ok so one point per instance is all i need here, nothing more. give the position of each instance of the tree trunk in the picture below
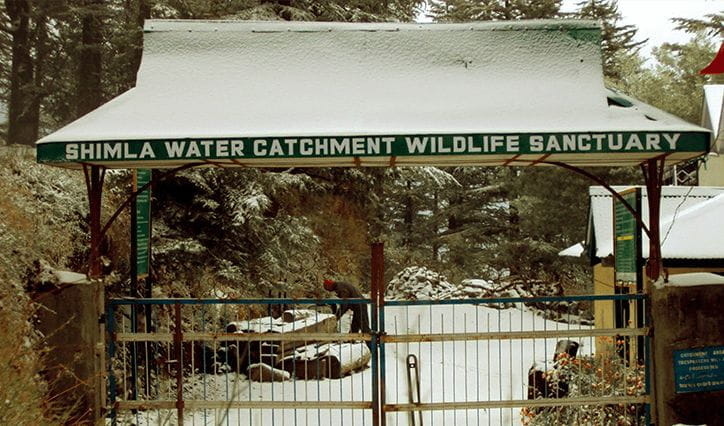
(409, 216)
(138, 12)
(23, 108)
(436, 232)
(89, 70)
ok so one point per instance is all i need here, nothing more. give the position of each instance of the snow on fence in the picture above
(433, 362)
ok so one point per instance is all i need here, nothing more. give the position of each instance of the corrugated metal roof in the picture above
(691, 225)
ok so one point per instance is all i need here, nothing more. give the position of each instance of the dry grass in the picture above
(22, 391)
(41, 214)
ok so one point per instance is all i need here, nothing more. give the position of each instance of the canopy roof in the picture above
(337, 94)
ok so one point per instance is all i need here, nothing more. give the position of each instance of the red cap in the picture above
(329, 284)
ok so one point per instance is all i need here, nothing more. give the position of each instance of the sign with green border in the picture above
(143, 222)
(254, 148)
(627, 238)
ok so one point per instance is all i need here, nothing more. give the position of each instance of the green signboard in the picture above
(371, 146)
(627, 238)
(143, 222)
(699, 370)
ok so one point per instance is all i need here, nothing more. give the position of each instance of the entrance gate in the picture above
(445, 362)
(490, 106)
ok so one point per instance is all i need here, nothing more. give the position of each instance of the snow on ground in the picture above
(449, 371)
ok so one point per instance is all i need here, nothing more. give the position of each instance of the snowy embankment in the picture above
(449, 371)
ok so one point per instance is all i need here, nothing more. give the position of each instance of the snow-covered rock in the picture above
(331, 360)
(261, 372)
(420, 283)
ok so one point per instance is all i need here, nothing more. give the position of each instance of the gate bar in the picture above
(221, 405)
(537, 299)
(514, 335)
(206, 301)
(245, 337)
(541, 402)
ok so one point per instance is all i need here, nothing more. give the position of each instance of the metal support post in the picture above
(178, 346)
(653, 171)
(94, 176)
(378, 298)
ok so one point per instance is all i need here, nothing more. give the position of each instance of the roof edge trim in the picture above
(165, 25)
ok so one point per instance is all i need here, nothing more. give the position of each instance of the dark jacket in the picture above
(346, 291)
(360, 320)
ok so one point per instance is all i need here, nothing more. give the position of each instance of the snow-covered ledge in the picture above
(693, 279)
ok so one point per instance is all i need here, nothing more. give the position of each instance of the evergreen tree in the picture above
(617, 41)
(493, 10)
(26, 24)
(711, 25)
(413, 199)
(673, 83)
(477, 213)
(66, 57)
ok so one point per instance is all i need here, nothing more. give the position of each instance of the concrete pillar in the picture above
(69, 318)
(686, 314)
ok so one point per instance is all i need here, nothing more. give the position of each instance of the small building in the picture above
(691, 241)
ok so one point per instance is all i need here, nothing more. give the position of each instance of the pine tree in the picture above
(477, 213)
(413, 200)
(673, 83)
(617, 41)
(493, 10)
(25, 26)
(711, 25)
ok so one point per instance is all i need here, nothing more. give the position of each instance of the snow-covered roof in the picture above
(690, 222)
(694, 279)
(711, 118)
(337, 94)
(576, 250)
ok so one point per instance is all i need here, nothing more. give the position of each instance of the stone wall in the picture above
(686, 317)
(69, 319)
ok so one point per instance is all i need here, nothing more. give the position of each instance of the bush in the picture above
(593, 376)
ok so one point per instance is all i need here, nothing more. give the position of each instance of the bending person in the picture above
(344, 290)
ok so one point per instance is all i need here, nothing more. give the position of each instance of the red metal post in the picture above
(378, 297)
(653, 173)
